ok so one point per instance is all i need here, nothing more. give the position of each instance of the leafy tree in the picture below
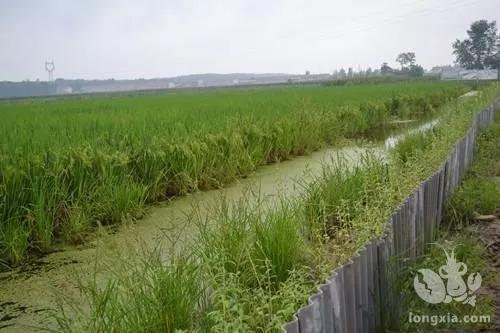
(406, 59)
(494, 62)
(482, 49)
(385, 69)
(350, 73)
(416, 70)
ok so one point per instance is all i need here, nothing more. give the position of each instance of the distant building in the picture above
(310, 78)
(437, 70)
(469, 74)
(64, 90)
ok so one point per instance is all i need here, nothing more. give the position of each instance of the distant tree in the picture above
(482, 49)
(416, 70)
(350, 73)
(342, 74)
(369, 71)
(494, 62)
(385, 69)
(406, 59)
(463, 53)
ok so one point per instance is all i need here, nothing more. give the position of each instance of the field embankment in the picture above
(69, 165)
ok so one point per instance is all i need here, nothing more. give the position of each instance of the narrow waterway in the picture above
(28, 294)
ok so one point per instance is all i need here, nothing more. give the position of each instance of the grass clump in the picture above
(145, 294)
(408, 149)
(249, 243)
(261, 268)
(278, 246)
(342, 191)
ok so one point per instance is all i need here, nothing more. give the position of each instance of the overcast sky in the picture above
(154, 38)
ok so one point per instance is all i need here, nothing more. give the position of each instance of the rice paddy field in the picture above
(67, 165)
(70, 165)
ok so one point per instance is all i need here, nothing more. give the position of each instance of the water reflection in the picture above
(393, 140)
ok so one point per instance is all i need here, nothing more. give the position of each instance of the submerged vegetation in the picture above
(67, 165)
(257, 267)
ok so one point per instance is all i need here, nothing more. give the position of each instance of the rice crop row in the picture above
(67, 165)
(256, 268)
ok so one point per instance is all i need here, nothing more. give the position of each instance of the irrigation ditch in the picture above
(361, 296)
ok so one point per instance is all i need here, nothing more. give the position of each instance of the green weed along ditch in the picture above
(258, 268)
(480, 190)
(479, 193)
(67, 165)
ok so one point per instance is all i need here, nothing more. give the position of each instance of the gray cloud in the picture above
(153, 38)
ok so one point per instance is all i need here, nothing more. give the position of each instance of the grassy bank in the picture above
(68, 165)
(480, 191)
(479, 194)
(255, 267)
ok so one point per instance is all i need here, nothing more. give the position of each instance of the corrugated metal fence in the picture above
(358, 296)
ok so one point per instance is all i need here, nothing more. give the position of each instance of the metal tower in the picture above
(50, 67)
